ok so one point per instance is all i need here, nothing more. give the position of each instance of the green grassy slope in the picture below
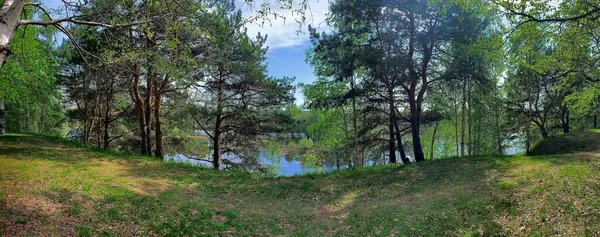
(586, 141)
(50, 188)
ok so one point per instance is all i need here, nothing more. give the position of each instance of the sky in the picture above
(287, 46)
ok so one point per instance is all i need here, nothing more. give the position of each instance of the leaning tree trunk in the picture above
(403, 157)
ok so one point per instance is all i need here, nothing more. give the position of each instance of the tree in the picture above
(236, 101)
(400, 45)
(13, 15)
(334, 56)
(331, 128)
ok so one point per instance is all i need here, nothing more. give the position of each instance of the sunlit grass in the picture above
(50, 186)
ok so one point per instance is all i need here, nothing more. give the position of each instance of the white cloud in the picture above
(283, 31)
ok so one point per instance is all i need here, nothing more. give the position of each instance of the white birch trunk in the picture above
(9, 21)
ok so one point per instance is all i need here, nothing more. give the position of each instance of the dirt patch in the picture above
(37, 217)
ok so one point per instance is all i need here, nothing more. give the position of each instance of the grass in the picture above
(53, 187)
(569, 143)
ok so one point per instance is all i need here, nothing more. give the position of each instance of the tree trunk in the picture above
(433, 140)
(10, 14)
(150, 84)
(218, 123)
(463, 117)
(595, 120)
(148, 113)
(527, 141)
(470, 146)
(498, 134)
(415, 125)
(403, 157)
(94, 119)
(355, 123)
(139, 102)
(565, 120)
(107, 113)
(99, 127)
(543, 131)
(217, 147)
(456, 123)
(85, 121)
(392, 148)
(158, 94)
(416, 136)
(2, 118)
(346, 136)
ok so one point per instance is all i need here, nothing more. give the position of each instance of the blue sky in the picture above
(289, 61)
(287, 46)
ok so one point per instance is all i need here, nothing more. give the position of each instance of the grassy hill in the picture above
(49, 187)
(585, 141)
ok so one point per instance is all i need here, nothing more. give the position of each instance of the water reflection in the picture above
(300, 162)
(286, 165)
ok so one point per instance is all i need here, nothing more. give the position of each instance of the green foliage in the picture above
(305, 143)
(272, 153)
(27, 83)
(185, 142)
(311, 162)
(584, 102)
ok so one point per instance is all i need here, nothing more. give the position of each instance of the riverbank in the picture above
(50, 187)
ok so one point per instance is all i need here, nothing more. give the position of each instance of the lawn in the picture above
(53, 187)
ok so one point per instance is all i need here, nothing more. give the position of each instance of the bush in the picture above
(305, 143)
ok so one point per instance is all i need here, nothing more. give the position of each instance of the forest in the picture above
(398, 85)
(399, 81)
